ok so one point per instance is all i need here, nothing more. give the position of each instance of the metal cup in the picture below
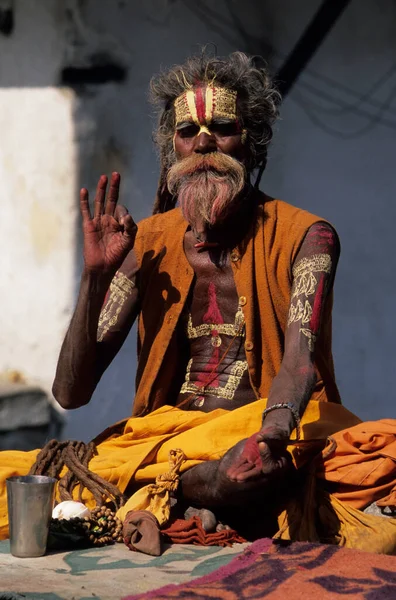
(30, 501)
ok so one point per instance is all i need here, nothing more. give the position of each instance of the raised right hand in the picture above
(107, 237)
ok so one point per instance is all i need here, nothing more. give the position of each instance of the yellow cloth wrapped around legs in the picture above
(141, 451)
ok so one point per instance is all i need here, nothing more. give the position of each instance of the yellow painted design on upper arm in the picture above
(304, 285)
(120, 288)
(303, 273)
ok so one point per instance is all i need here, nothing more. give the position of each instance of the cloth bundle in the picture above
(142, 533)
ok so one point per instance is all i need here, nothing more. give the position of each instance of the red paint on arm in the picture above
(314, 323)
(321, 237)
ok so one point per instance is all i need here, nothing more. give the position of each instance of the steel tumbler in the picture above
(30, 500)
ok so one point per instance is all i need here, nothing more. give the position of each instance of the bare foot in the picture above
(247, 463)
(263, 454)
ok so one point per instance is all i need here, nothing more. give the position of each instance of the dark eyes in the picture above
(218, 129)
(224, 129)
(188, 131)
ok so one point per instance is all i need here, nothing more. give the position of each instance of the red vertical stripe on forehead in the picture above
(200, 104)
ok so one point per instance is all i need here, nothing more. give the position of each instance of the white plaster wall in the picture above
(37, 195)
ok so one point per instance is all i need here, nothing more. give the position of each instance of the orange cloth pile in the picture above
(357, 468)
(359, 464)
(192, 532)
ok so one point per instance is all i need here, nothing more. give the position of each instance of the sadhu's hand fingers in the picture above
(271, 462)
(100, 196)
(112, 197)
(265, 451)
(129, 224)
(120, 211)
(84, 205)
(277, 439)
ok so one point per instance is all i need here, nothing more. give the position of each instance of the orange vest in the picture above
(263, 277)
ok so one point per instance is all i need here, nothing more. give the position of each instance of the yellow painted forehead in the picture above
(202, 104)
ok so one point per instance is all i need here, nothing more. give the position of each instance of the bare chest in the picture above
(214, 293)
(217, 373)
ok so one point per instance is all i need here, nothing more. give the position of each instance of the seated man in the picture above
(232, 289)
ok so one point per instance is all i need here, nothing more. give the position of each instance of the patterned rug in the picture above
(105, 573)
(294, 571)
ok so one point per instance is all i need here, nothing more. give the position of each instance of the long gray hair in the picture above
(257, 107)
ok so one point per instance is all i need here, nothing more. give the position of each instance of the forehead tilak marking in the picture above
(200, 104)
(190, 106)
(219, 102)
(182, 109)
(209, 103)
(224, 103)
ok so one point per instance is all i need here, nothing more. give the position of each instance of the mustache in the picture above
(215, 163)
(207, 186)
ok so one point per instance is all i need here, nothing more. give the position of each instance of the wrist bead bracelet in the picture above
(293, 410)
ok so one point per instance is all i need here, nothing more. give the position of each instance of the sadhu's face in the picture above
(206, 121)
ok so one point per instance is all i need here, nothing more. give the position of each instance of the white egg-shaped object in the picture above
(69, 509)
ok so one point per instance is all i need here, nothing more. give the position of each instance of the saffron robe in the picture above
(262, 269)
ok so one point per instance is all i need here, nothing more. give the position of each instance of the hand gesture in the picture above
(110, 234)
